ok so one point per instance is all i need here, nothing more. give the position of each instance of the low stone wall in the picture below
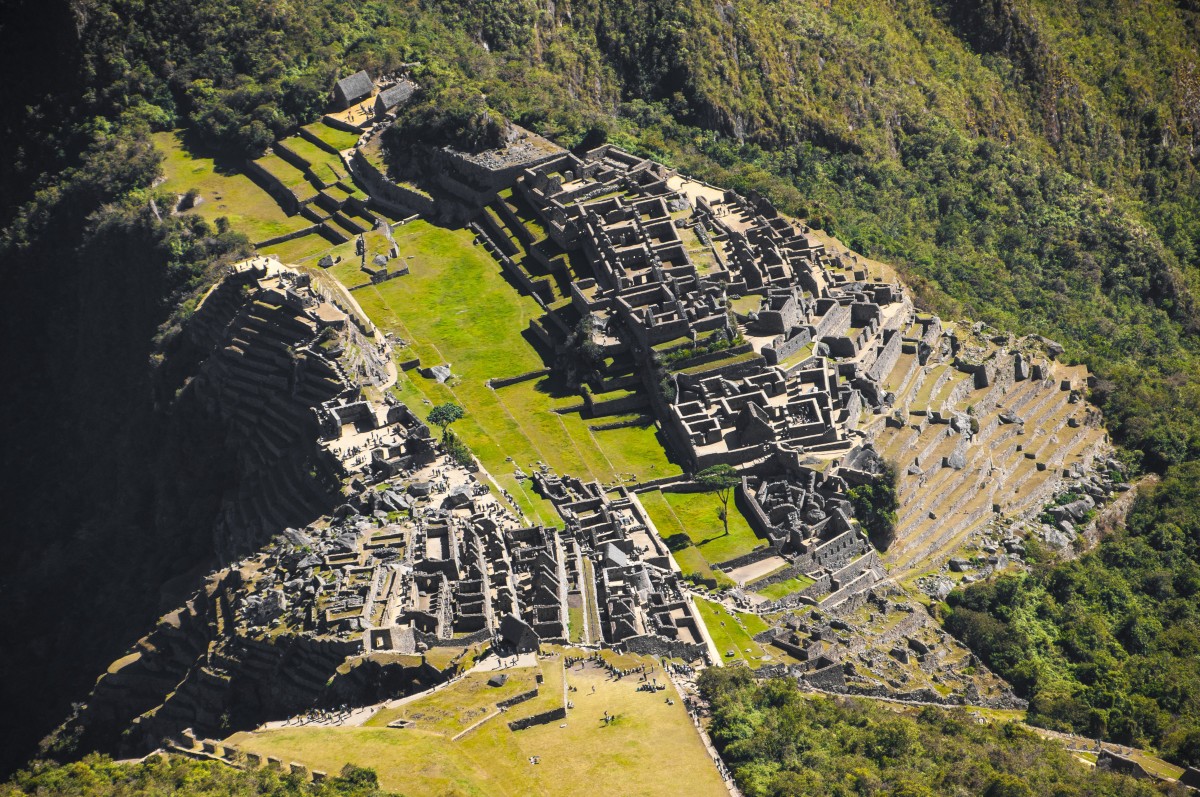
(494, 231)
(619, 406)
(513, 380)
(333, 121)
(642, 420)
(650, 645)
(776, 578)
(730, 371)
(515, 699)
(545, 717)
(291, 236)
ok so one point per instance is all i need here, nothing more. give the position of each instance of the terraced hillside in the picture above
(572, 324)
(985, 426)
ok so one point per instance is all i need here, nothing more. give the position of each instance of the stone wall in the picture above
(651, 645)
(286, 237)
(781, 348)
(387, 193)
(515, 699)
(619, 406)
(545, 717)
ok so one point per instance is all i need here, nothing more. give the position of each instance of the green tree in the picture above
(445, 414)
(720, 479)
(875, 506)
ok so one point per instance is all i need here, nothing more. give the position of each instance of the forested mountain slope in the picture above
(1027, 162)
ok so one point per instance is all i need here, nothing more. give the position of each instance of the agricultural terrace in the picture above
(223, 191)
(781, 589)
(651, 749)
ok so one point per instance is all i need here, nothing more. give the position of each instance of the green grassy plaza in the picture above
(689, 524)
(651, 749)
(784, 588)
(732, 632)
(456, 307)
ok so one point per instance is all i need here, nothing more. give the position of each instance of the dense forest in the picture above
(98, 776)
(1026, 162)
(1106, 645)
(780, 742)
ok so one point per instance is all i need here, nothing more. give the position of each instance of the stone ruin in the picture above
(754, 345)
(811, 527)
(754, 399)
(634, 592)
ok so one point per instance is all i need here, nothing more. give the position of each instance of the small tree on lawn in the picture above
(720, 479)
(445, 414)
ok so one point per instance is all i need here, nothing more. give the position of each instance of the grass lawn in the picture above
(455, 306)
(224, 191)
(782, 589)
(1156, 765)
(575, 616)
(309, 249)
(457, 708)
(652, 748)
(694, 515)
(746, 304)
(327, 166)
(732, 632)
(292, 178)
(338, 139)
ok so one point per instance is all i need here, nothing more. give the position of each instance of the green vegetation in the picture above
(99, 776)
(711, 344)
(688, 520)
(456, 307)
(445, 414)
(454, 116)
(338, 139)
(326, 166)
(292, 178)
(1107, 644)
(782, 589)
(782, 743)
(732, 633)
(458, 450)
(875, 506)
(720, 480)
(223, 191)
